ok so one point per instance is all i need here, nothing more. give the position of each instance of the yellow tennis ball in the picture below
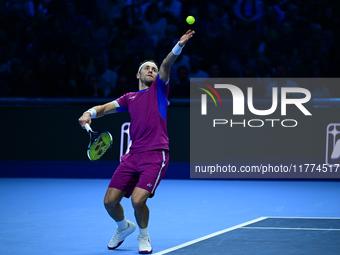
(190, 20)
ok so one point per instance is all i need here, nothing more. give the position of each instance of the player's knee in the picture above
(108, 202)
(138, 203)
(111, 200)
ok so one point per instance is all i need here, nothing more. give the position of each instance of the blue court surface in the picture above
(67, 216)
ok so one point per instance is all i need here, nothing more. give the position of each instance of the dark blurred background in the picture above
(83, 48)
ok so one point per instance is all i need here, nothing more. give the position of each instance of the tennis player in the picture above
(141, 170)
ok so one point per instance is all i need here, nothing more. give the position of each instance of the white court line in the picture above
(321, 218)
(209, 236)
(322, 229)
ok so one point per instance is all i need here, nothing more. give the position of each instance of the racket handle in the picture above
(88, 128)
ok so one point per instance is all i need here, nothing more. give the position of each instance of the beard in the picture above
(148, 80)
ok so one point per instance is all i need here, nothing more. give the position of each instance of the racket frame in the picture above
(93, 136)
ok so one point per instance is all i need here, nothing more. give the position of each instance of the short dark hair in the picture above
(149, 60)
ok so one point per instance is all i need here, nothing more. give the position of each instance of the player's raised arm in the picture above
(164, 69)
(96, 112)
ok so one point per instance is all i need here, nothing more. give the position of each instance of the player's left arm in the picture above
(164, 69)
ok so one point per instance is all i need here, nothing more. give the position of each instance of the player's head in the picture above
(148, 62)
(147, 72)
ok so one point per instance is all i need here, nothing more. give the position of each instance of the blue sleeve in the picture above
(161, 83)
(162, 93)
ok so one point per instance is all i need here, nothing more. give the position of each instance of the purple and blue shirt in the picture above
(148, 111)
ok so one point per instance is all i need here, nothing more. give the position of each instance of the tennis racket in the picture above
(99, 143)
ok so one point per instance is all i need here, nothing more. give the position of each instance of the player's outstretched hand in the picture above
(186, 37)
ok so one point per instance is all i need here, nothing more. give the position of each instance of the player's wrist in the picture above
(177, 49)
(92, 112)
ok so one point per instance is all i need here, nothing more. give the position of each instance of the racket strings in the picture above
(100, 146)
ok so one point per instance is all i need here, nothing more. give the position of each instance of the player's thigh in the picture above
(125, 177)
(113, 196)
(152, 168)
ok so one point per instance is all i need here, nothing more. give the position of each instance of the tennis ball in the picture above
(190, 20)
